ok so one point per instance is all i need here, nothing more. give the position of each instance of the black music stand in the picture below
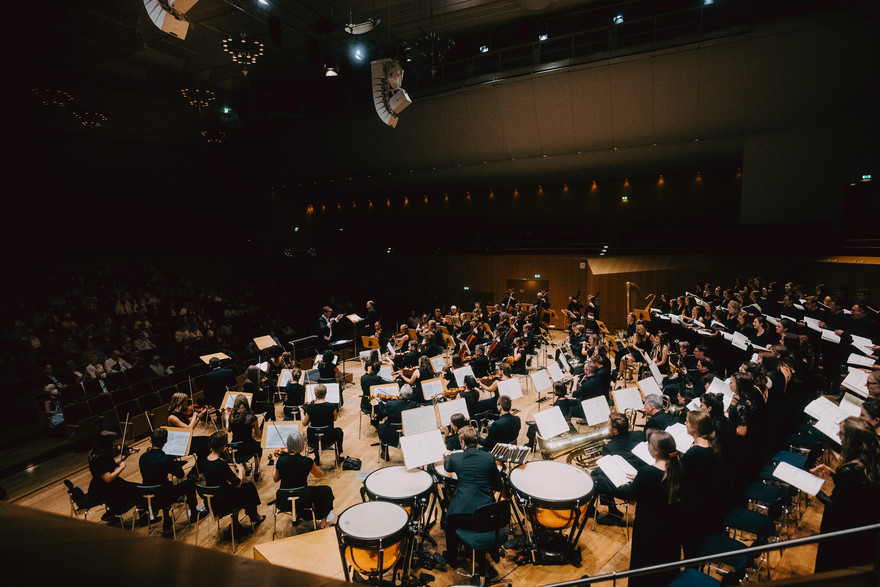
(293, 343)
(338, 347)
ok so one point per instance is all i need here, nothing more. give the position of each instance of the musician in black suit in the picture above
(658, 419)
(480, 362)
(590, 384)
(429, 347)
(370, 318)
(217, 381)
(478, 479)
(325, 327)
(505, 429)
(390, 414)
(156, 466)
(367, 381)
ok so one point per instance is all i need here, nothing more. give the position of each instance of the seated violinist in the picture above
(456, 423)
(518, 366)
(480, 362)
(106, 465)
(234, 493)
(390, 415)
(156, 468)
(401, 339)
(182, 414)
(293, 470)
(320, 414)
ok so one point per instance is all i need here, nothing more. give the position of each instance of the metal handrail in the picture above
(721, 555)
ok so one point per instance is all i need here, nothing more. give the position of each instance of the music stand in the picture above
(293, 343)
(339, 346)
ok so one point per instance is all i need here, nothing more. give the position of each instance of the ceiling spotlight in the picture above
(264, 2)
(330, 71)
(361, 27)
(226, 110)
(618, 19)
(708, 2)
(543, 37)
(484, 48)
(359, 54)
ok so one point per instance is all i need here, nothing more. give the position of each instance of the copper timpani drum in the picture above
(372, 537)
(554, 497)
(399, 485)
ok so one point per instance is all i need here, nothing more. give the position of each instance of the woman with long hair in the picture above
(244, 425)
(855, 500)
(656, 528)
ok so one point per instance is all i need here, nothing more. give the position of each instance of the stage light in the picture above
(708, 2)
(618, 19)
(330, 71)
(359, 54)
(543, 37)
(484, 48)
(227, 110)
(264, 2)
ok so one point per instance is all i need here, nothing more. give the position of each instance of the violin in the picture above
(489, 379)
(452, 392)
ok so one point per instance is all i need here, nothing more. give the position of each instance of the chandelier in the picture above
(57, 98)
(214, 136)
(92, 119)
(243, 51)
(197, 97)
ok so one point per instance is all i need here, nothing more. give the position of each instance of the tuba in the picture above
(583, 448)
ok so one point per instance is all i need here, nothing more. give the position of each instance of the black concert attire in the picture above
(656, 528)
(217, 382)
(321, 416)
(519, 365)
(660, 421)
(430, 350)
(853, 502)
(480, 366)
(242, 431)
(504, 430)
(390, 413)
(119, 495)
(327, 371)
(478, 478)
(370, 318)
(294, 394)
(696, 507)
(766, 338)
(367, 381)
(621, 445)
(325, 332)
(575, 307)
(156, 467)
(293, 471)
(452, 441)
(792, 312)
(231, 496)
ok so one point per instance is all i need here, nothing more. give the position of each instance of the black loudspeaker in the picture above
(275, 29)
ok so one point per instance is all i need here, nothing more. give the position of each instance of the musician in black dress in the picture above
(321, 414)
(698, 493)
(106, 486)
(623, 441)
(390, 415)
(478, 479)
(233, 492)
(156, 467)
(656, 528)
(518, 366)
(855, 500)
(294, 393)
(480, 362)
(293, 469)
(244, 425)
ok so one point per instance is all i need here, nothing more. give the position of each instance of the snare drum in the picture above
(372, 536)
(555, 495)
(399, 485)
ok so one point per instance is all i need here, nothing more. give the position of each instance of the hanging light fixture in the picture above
(57, 98)
(197, 97)
(92, 119)
(243, 50)
(214, 136)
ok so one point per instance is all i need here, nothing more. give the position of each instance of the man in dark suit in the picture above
(590, 384)
(480, 362)
(478, 479)
(368, 380)
(370, 318)
(657, 418)
(390, 414)
(217, 381)
(505, 429)
(155, 467)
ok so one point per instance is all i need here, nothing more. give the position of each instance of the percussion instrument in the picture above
(399, 485)
(554, 497)
(372, 537)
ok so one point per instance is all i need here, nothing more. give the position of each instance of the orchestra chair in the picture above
(490, 529)
(371, 414)
(620, 503)
(774, 501)
(732, 569)
(321, 444)
(81, 503)
(208, 493)
(149, 494)
(291, 413)
(745, 521)
(383, 447)
(285, 503)
(239, 455)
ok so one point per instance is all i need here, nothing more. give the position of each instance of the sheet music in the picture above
(354, 318)
(446, 409)
(332, 392)
(675, 319)
(461, 373)
(510, 387)
(717, 324)
(806, 482)
(178, 443)
(655, 371)
(648, 386)
(727, 336)
(431, 388)
(596, 410)
(683, 440)
(771, 320)
(386, 373)
(265, 342)
(230, 399)
(857, 382)
(641, 451)
(851, 404)
(812, 324)
(564, 362)
(438, 363)
(695, 405)
(551, 422)
(799, 306)
(541, 379)
(722, 387)
(555, 372)
(830, 336)
(418, 420)
(861, 341)
(422, 449)
(822, 408)
(856, 359)
(740, 341)
(616, 468)
(277, 434)
(390, 348)
(365, 354)
(789, 318)
(284, 377)
(629, 398)
(391, 389)
(264, 366)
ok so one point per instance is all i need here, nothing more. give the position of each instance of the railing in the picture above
(691, 562)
